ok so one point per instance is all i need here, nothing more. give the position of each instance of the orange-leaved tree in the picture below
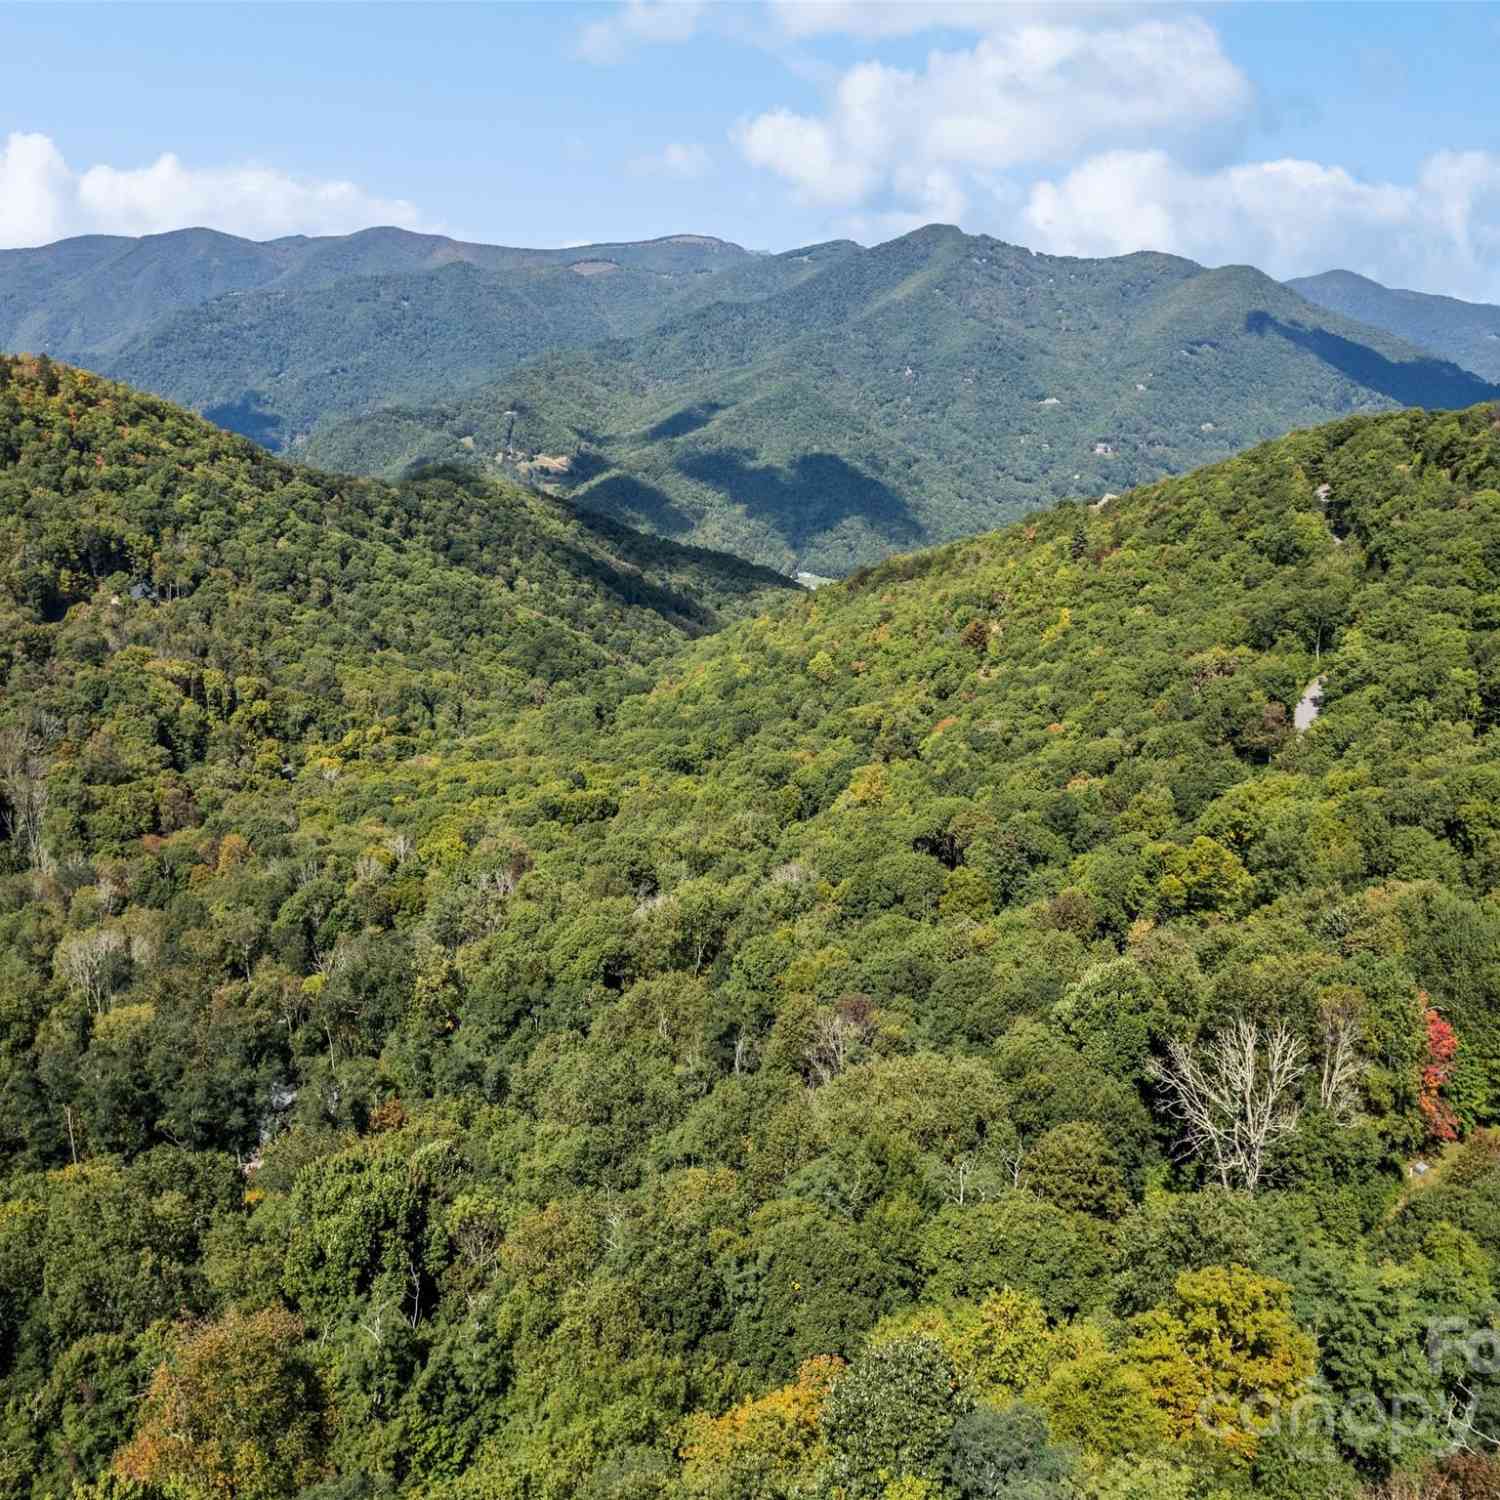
(236, 1412)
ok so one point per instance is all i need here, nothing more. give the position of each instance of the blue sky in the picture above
(1295, 137)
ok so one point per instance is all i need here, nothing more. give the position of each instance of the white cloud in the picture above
(887, 18)
(1463, 190)
(644, 22)
(1118, 114)
(808, 153)
(637, 22)
(1289, 217)
(35, 189)
(43, 199)
(678, 159)
(1036, 93)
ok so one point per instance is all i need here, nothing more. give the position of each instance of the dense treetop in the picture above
(754, 1065)
(193, 550)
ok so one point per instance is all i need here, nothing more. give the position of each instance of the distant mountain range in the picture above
(1468, 333)
(842, 403)
(97, 293)
(812, 410)
(266, 338)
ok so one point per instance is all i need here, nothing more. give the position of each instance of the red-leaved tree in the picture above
(1442, 1048)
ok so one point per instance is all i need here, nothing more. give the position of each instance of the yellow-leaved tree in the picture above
(1223, 1356)
(770, 1448)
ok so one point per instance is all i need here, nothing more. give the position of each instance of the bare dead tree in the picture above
(971, 1178)
(24, 763)
(1012, 1162)
(838, 1033)
(414, 1281)
(744, 1053)
(1235, 1096)
(143, 938)
(959, 1179)
(113, 892)
(828, 1051)
(981, 1175)
(374, 1326)
(477, 1237)
(335, 960)
(1338, 1082)
(91, 963)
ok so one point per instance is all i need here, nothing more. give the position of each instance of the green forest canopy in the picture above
(465, 1040)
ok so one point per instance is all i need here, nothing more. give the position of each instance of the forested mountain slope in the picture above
(1468, 333)
(918, 391)
(273, 363)
(172, 554)
(90, 297)
(759, 1084)
(814, 410)
(269, 338)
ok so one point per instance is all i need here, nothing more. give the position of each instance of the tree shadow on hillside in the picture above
(1417, 382)
(251, 418)
(638, 568)
(588, 464)
(637, 503)
(644, 550)
(680, 610)
(810, 498)
(689, 419)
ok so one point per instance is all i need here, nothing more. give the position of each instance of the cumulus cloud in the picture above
(1036, 93)
(636, 22)
(1289, 217)
(42, 198)
(35, 191)
(1093, 131)
(810, 153)
(687, 160)
(888, 18)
